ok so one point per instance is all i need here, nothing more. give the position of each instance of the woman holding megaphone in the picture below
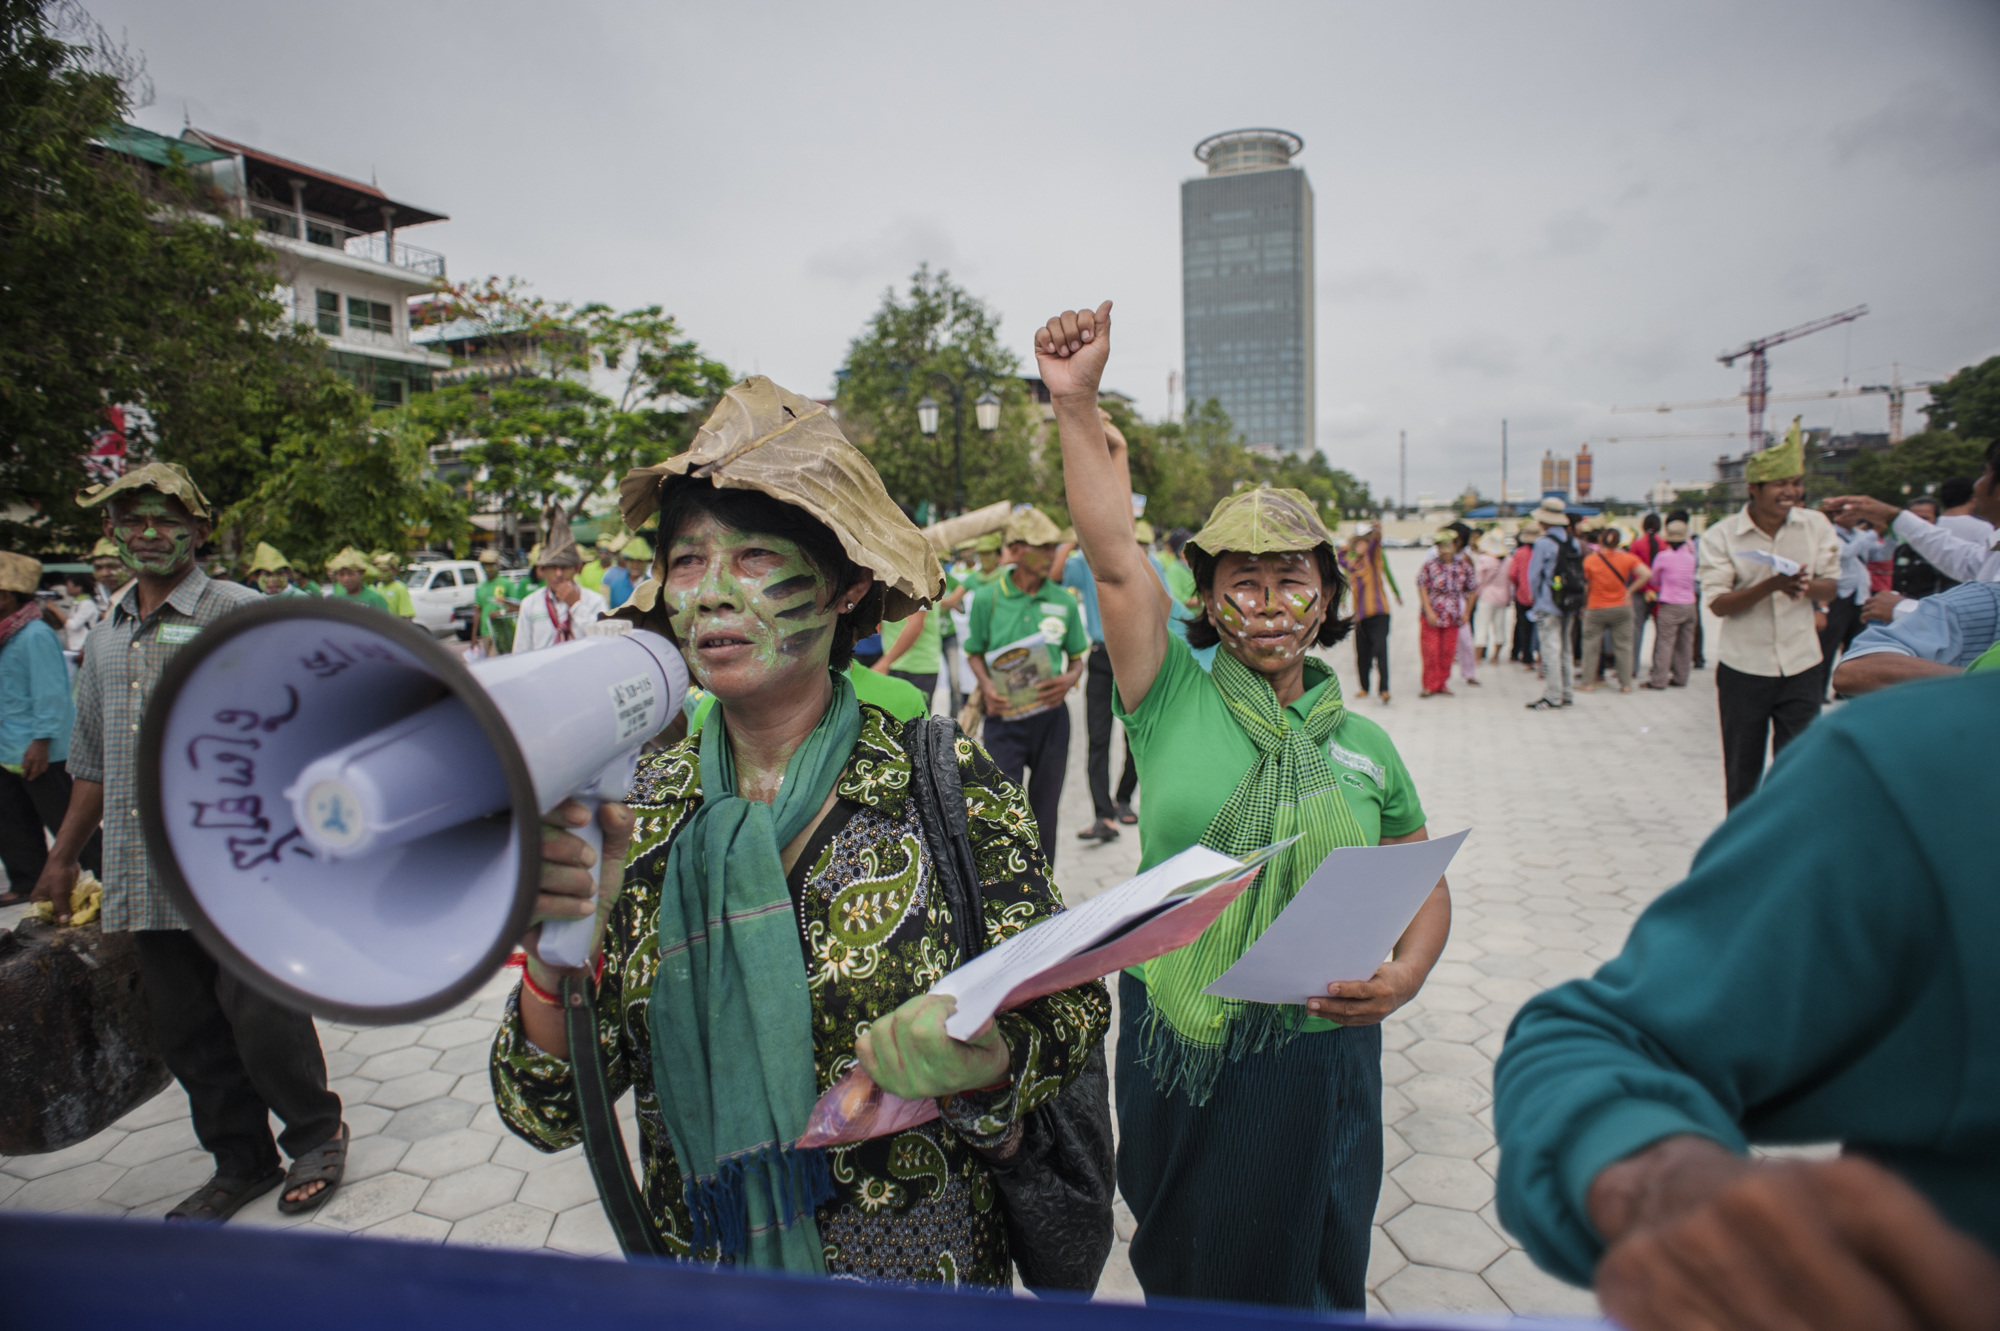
(776, 912)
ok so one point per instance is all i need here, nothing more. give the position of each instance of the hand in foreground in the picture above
(1871, 510)
(1881, 607)
(1367, 1002)
(1071, 349)
(908, 1053)
(35, 759)
(996, 702)
(1723, 1242)
(1791, 584)
(570, 877)
(58, 880)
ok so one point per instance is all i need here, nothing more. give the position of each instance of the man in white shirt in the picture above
(1958, 497)
(564, 607)
(1768, 679)
(1949, 553)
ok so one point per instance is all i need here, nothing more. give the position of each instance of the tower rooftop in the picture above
(1239, 150)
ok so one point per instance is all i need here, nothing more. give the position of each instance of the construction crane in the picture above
(1759, 390)
(1895, 389)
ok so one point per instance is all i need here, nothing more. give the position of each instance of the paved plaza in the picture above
(1579, 818)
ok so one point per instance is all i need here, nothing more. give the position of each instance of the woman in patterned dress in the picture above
(766, 597)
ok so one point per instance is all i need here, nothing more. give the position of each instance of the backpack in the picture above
(1569, 586)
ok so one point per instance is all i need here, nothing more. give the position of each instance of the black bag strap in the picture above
(932, 743)
(603, 1143)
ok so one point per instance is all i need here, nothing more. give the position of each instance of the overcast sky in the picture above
(1524, 210)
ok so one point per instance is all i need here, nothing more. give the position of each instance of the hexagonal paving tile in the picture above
(452, 1034)
(172, 1177)
(397, 1063)
(371, 1201)
(1443, 1180)
(583, 1231)
(428, 1119)
(413, 1089)
(381, 1039)
(1417, 1289)
(447, 1153)
(560, 1187)
(470, 1191)
(409, 1227)
(1445, 1134)
(512, 1225)
(155, 1143)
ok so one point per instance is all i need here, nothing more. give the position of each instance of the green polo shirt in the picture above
(892, 695)
(1002, 614)
(367, 595)
(396, 597)
(926, 654)
(1192, 753)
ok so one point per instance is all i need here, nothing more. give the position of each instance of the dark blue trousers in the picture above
(1039, 745)
(1266, 1193)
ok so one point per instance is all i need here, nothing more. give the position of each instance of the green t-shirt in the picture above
(397, 598)
(926, 654)
(1003, 614)
(482, 596)
(892, 695)
(367, 595)
(591, 575)
(1192, 753)
(1986, 660)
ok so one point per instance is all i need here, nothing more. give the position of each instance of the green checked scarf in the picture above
(1289, 790)
(730, 1014)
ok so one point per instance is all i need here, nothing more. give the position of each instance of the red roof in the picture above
(328, 195)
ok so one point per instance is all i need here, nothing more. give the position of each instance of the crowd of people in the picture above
(781, 902)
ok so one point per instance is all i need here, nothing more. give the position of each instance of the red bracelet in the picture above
(528, 983)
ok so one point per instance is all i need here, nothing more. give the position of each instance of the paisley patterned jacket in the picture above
(917, 1206)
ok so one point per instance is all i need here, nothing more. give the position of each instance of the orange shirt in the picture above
(1608, 572)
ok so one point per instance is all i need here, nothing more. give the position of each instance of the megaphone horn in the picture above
(348, 816)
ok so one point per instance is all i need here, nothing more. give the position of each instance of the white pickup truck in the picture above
(439, 587)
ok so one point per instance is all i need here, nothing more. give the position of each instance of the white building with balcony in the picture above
(341, 255)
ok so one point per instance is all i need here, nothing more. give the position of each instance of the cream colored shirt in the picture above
(1775, 636)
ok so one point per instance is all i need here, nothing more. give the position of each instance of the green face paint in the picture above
(726, 590)
(151, 519)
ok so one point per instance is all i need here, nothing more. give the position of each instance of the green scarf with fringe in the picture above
(1290, 790)
(731, 1014)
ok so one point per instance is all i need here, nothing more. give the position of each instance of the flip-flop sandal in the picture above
(1126, 816)
(324, 1163)
(219, 1198)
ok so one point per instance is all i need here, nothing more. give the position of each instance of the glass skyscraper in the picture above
(1247, 286)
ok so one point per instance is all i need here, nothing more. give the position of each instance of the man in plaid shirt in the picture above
(240, 1056)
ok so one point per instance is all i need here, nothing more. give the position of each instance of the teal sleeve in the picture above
(1782, 959)
(979, 619)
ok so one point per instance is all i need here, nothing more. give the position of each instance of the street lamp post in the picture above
(985, 412)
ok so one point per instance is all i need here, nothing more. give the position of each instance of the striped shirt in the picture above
(1952, 628)
(1367, 574)
(120, 671)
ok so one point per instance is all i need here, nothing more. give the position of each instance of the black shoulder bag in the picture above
(1057, 1187)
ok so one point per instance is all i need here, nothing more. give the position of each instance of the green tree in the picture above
(1917, 465)
(1185, 468)
(122, 290)
(563, 400)
(387, 498)
(1968, 403)
(909, 348)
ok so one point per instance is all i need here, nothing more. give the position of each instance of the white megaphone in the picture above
(350, 817)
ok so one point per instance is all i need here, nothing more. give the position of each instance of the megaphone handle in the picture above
(567, 942)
